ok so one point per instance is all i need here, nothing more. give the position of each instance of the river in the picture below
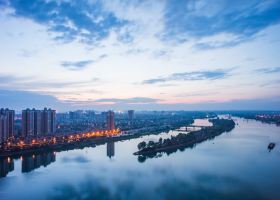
(234, 165)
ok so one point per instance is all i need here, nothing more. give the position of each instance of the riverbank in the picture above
(84, 142)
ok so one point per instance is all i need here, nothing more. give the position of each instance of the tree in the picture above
(141, 145)
(151, 143)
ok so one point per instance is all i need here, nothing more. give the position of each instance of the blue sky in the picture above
(156, 54)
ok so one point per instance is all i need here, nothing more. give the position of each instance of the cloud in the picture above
(6, 79)
(93, 21)
(78, 65)
(190, 76)
(133, 34)
(134, 100)
(269, 103)
(76, 159)
(27, 53)
(25, 83)
(193, 18)
(274, 83)
(21, 99)
(69, 20)
(155, 80)
(197, 94)
(221, 40)
(269, 70)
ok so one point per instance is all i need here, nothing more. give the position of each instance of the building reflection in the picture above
(110, 149)
(6, 166)
(32, 162)
(29, 163)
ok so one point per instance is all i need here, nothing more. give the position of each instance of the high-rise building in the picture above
(3, 128)
(6, 124)
(110, 120)
(38, 118)
(38, 122)
(48, 120)
(28, 122)
(130, 114)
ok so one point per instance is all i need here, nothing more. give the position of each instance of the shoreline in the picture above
(187, 140)
(82, 143)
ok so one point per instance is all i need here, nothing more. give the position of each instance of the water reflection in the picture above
(6, 166)
(236, 165)
(201, 186)
(46, 157)
(35, 161)
(28, 163)
(32, 162)
(110, 149)
(143, 158)
(206, 186)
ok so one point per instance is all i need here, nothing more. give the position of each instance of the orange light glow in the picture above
(61, 139)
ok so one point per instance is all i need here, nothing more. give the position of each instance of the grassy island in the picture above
(182, 141)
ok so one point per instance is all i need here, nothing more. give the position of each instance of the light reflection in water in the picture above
(232, 166)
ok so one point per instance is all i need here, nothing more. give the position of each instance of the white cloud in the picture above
(126, 63)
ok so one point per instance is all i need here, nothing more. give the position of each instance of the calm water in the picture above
(235, 165)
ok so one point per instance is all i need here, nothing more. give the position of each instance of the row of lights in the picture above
(70, 138)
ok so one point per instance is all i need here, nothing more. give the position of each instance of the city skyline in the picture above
(140, 55)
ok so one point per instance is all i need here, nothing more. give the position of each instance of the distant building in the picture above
(130, 114)
(104, 115)
(61, 117)
(90, 114)
(38, 122)
(7, 118)
(110, 120)
(76, 115)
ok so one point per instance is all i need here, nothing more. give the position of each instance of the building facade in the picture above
(7, 118)
(38, 122)
(130, 114)
(110, 120)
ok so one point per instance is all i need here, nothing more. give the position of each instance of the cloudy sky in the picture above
(140, 54)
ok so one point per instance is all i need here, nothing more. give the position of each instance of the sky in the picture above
(140, 54)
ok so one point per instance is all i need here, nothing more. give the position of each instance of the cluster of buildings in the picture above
(34, 123)
(38, 122)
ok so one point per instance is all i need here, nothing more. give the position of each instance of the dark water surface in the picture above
(235, 165)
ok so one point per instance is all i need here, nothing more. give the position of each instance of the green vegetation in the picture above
(182, 141)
